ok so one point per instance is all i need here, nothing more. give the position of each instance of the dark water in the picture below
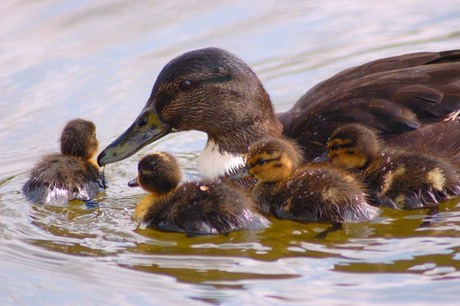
(98, 60)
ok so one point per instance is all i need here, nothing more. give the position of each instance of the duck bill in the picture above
(322, 158)
(241, 174)
(147, 128)
(133, 183)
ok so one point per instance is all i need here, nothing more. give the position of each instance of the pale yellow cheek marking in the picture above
(268, 172)
(341, 158)
(143, 207)
(257, 173)
(94, 163)
(436, 178)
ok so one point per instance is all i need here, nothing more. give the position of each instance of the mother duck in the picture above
(412, 100)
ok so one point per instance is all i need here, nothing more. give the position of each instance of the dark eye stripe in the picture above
(340, 146)
(265, 161)
(188, 84)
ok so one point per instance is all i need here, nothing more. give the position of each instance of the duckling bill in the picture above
(72, 174)
(305, 193)
(197, 207)
(395, 178)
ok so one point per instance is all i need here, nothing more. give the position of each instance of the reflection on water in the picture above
(98, 61)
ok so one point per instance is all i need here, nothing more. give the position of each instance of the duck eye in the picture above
(185, 85)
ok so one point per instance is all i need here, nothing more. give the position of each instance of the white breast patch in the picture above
(213, 163)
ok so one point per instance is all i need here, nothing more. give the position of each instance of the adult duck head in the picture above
(411, 96)
(209, 90)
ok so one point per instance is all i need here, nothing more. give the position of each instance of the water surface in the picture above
(98, 61)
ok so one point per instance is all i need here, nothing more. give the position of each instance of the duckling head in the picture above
(79, 139)
(209, 90)
(353, 146)
(158, 173)
(274, 159)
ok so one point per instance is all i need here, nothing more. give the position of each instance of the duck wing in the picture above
(394, 95)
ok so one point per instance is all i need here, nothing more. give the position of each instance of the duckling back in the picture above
(319, 194)
(58, 178)
(205, 207)
(408, 180)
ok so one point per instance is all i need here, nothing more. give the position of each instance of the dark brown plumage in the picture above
(213, 91)
(306, 193)
(394, 177)
(58, 178)
(195, 207)
(394, 95)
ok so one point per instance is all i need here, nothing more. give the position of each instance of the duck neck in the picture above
(215, 162)
(242, 125)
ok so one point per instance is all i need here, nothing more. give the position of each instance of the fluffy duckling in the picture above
(73, 174)
(195, 207)
(308, 193)
(394, 178)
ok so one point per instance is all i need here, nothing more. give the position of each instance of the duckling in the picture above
(213, 91)
(395, 178)
(194, 207)
(72, 174)
(306, 193)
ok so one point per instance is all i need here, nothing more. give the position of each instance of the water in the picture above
(98, 61)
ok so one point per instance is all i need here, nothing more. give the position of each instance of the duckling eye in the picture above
(261, 161)
(333, 147)
(185, 85)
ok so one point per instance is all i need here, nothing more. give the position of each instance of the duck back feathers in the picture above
(392, 95)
